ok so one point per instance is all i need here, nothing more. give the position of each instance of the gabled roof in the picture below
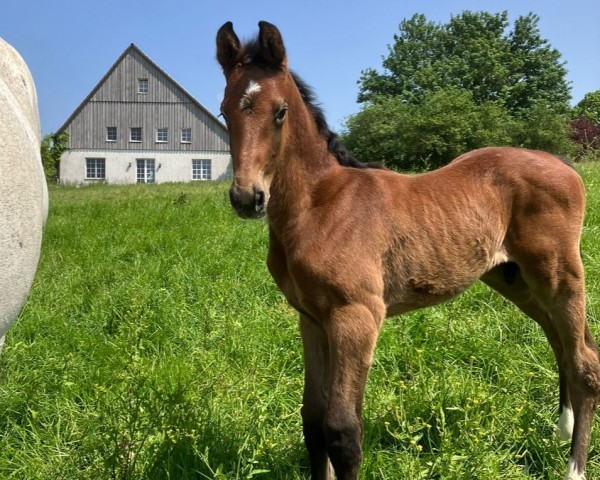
(128, 50)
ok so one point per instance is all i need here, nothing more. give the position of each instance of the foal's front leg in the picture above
(316, 393)
(352, 334)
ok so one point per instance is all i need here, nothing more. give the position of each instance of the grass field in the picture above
(154, 345)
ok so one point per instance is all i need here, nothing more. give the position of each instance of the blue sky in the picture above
(70, 44)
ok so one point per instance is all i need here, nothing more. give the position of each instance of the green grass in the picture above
(154, 345)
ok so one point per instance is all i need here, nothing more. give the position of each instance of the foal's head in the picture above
(259, 92)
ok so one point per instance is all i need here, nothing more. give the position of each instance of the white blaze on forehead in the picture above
(253, 87)
(252, 90)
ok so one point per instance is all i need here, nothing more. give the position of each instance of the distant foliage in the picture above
(543, 129)
(586, 135)
(585, 127)
(448, 123)
(417, 137)
(474, 51)
(589, 107)
(52, 148)
(449, 88)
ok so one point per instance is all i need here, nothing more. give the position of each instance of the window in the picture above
(143, 85)
(136, 134)
(111, 134)
(201, 170)
(145, 170)
(186, 135)
(95, 168)
(162, 135)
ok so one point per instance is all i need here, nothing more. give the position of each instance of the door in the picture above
(145, 170)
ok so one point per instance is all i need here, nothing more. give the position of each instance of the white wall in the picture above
(121, 165)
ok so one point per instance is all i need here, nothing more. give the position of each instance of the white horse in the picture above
(23, 190)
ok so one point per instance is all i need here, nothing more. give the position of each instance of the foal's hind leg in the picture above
(557, 282)
(506, 279)
(557, 301)
(583, 373)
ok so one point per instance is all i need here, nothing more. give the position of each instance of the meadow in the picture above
(154, 345)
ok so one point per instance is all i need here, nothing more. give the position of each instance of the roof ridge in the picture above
(135, 48)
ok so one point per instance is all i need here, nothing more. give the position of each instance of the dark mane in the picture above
(334, 144)
(252, 55)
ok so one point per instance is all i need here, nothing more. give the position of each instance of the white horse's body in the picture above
(23, 190)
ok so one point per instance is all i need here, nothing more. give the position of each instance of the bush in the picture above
(446, 124)
(543, 129)
(52, 148)
(586, 136)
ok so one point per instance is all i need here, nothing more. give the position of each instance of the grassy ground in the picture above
(154, 345)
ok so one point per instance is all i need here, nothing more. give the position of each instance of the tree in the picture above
(414, 59)
(472, 52)
(449, 88)
(52, 148)
(537, 76)
(589, 107)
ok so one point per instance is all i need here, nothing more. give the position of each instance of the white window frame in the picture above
(186, 135)
(131, 131)
(201, 169)
(95, 168)
(162, 135)
(108, 134)
(143, 86)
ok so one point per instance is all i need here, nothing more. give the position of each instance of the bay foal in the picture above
(350, 245)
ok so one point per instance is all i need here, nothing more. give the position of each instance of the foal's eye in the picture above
(281, 113)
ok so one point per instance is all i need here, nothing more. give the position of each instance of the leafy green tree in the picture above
(449, 88)
(537, 75)
(51, 149)
(476, 55)
(473, 51)
(411, 66)
(588, 107)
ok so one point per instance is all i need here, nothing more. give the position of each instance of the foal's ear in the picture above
(271, 45)
(229, 47)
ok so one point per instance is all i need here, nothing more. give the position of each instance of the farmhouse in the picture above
(140, 126)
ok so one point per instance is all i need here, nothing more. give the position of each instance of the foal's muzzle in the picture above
(248, 203)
